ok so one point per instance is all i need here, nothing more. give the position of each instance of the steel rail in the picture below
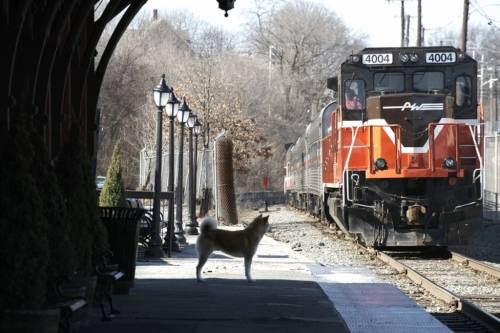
(465, 308)
(474, 312)
(476, 264)
(439, 292)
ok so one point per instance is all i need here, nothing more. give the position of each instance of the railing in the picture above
(397, 145)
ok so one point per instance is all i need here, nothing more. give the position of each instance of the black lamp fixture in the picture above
(183, 112)
(173, 102)
(161, 93)
(197, 127)
(226, 5)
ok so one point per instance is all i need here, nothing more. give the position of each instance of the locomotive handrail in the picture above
(472, 130)
(354, 134)
(397, 143)
(478, 157)
(430, 154)
(431, 129)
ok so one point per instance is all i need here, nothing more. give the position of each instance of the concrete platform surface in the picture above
(291, 294)
(167, 298)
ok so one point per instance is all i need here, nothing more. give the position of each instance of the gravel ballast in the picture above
(328, 246)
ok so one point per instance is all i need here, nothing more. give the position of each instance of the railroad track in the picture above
(469, 317)
(467, 284)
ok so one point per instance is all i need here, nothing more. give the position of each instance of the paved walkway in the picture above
(167, 298)
(292, 294)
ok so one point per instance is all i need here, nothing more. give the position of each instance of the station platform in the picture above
(291, 294)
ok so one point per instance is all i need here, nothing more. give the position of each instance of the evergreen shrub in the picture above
(113, 191)
(61, 262)
(24, 248)
(71, 177)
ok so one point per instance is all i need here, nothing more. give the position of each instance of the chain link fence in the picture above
(491, 182)
(204, 177)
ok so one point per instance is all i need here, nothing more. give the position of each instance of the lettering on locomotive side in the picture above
(415, 107)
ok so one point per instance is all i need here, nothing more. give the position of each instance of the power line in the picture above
(483, 13)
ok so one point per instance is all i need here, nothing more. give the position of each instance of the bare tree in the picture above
(306, 42)
(260, 98)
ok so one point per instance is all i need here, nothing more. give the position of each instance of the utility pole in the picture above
(402, 23)
(419, 24)
(464, 25)
(492, 97)
(496, 97)
(481, 82)
(407, 37)
(423, 36)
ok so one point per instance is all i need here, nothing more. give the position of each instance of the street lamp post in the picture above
(170, 242)
(161, 94)
(197, 132)
(193, 224)
(182, 117)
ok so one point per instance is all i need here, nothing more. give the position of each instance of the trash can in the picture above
(123, 233)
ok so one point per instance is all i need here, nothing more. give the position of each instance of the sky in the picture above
(378, 20)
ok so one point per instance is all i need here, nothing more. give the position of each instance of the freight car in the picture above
(396, 160)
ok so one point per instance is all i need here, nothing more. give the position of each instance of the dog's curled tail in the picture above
(209, 223)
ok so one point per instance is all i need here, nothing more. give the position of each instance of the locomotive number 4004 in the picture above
(440, 57)
(377, 59)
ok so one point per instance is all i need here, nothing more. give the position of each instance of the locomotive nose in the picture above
(413, 112)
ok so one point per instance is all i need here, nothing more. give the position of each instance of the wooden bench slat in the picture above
(72, 304)
(78, 305)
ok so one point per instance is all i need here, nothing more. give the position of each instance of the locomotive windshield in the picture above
(389, 82)
(428, 81)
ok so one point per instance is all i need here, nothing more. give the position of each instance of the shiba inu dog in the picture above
(241, 243)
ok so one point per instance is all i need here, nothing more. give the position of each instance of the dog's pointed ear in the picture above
(259, 217)
(266, 218)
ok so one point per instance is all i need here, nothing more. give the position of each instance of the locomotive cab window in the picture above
(354, 94)
(326, 121)
(428, 81)
(389, 82)
(463, 91)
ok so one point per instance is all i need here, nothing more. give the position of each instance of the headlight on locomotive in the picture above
(403, 57)
(449, 163)
(354, 58)
(414, 57)
(380, 164)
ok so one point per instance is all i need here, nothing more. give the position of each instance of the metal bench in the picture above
(107, 275)
(71, 301)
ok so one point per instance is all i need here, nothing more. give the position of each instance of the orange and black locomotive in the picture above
(396, 159)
